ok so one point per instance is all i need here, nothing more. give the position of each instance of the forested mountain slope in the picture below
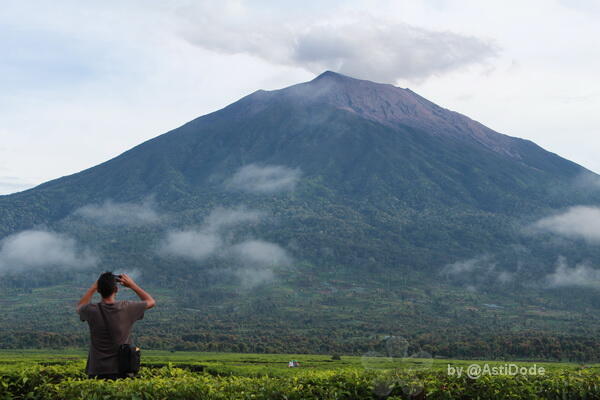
(323, 200)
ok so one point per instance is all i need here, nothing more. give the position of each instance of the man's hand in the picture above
(126, 281)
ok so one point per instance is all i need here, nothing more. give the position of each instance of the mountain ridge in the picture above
(409, 114)
(411, 109)
(166, 164)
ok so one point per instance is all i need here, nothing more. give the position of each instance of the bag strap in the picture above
(106, 324)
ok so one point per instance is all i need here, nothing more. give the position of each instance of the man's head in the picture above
(107, 284)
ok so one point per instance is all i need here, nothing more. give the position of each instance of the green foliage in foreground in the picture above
(22, 380)
(55, 382)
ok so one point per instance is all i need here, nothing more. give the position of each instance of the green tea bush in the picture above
(60, 382)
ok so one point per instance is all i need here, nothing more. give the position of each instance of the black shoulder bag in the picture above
(129, 355)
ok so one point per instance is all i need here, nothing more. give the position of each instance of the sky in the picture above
(82, 82)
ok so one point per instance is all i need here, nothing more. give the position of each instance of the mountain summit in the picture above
(394, 106)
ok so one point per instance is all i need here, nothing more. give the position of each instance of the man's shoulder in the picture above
(86, 307)
(121, 304)
(135, 309)
(85, 311)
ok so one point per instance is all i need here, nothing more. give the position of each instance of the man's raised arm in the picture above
(87, 297)
(143, 295)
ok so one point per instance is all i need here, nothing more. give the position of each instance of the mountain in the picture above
(370, 197)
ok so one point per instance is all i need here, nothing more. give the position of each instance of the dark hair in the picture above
(107, 284)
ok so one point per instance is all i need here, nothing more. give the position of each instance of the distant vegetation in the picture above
(353, 321)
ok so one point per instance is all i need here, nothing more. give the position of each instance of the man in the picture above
(103, 362)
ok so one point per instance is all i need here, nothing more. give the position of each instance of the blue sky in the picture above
(82, 82)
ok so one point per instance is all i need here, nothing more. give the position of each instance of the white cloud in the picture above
(222, 218)
(580, 275)
(264, 179)
(252, 276)
(505, 277)
(112, 213)
(251, 260)
(477, 270)
(581, 222)
(211, 238)
(195, 245)
(466, 266)
(260, 252)
(37, 249)
(255, 260)
(362, 46)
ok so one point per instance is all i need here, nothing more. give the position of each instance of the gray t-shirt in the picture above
(121, 315)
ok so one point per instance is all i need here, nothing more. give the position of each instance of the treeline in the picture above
(526, 346)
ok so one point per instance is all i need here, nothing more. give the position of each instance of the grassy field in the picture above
(48, 374)
(270, 364)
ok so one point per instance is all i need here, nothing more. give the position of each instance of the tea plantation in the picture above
(53, 375)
